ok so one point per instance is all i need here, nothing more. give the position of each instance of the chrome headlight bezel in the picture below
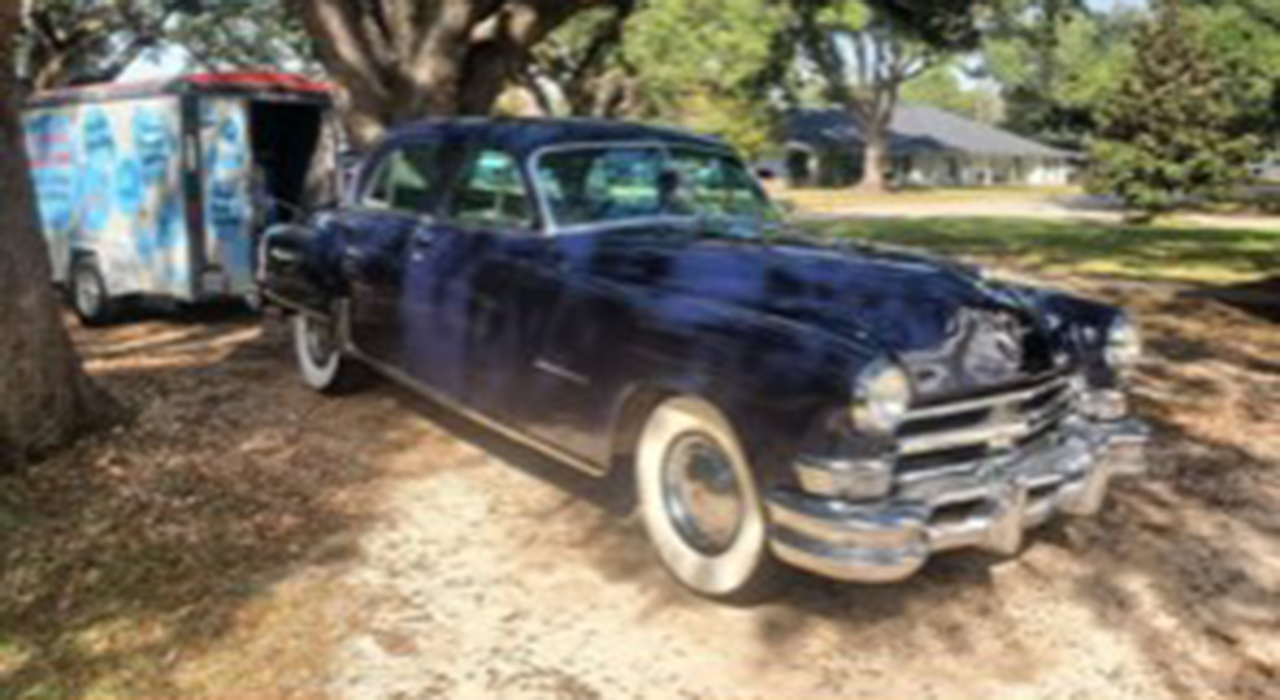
(1123, 348)
(882, 397)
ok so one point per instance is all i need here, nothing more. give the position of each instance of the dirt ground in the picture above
(245, 538)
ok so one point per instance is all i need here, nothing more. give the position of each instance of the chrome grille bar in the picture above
(1000, 421)
(970, 405)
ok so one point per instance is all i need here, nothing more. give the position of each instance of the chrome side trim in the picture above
(561, 373)
(403, 379)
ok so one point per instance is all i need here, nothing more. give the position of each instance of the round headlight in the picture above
(881, 399)
(1124, 344)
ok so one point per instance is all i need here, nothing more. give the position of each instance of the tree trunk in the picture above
(398, 61)
(46, 400)
(875, 157)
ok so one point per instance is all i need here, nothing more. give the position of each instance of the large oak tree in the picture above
(45, 397)
(398, 60)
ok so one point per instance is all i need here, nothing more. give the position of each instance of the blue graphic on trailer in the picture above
(227, 160)
(51, 144)
(148, 165)
(153, 141)
(226, 165)
(100, 163)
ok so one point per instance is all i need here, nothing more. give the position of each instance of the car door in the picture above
(393, 217)
(466, 278)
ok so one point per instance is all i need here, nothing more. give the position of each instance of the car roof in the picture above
(522, 136)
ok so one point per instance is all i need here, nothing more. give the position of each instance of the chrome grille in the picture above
(957, 434)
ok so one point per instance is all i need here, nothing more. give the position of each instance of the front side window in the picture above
(593, 185)
(407, 180)
(491, 193)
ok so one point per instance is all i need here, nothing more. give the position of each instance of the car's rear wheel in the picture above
(700, 503)
(320, 359)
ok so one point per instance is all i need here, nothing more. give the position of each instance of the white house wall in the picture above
(938, 170)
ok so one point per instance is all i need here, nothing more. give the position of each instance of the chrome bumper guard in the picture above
(989, 506)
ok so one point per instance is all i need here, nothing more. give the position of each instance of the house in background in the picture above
(928, 147)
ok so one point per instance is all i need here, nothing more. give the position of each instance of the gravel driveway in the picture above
(466, 567)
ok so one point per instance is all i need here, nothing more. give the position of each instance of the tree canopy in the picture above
(1056, 61)
(71, 42)
(699, 62)
(1173, 130)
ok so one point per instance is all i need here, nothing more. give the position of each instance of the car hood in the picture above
(953, 330)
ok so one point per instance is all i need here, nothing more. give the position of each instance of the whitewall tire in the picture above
(700, 503)
(320, 360)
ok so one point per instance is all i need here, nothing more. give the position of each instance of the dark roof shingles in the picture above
(915, 129)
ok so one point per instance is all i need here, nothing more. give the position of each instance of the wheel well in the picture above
(78, 254)
(629, 422)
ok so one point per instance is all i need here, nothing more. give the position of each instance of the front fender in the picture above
(1079, 326)
(785, 387)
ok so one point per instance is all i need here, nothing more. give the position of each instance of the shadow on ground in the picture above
(139, 547)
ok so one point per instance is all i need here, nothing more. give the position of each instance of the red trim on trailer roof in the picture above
(265, 80)
(287, 81)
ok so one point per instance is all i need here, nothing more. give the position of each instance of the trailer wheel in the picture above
(89, 296)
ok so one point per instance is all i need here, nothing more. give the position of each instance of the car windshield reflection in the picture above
(598, 185)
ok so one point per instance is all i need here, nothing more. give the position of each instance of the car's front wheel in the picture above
(700, 503)
(320, 359)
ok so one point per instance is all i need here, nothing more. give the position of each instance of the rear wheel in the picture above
(700, 503)
(90, 298)
(320, 359)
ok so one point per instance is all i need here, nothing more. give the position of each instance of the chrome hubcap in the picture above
(703, 497)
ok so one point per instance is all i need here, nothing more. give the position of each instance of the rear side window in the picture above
(407, 180)
(491, 193)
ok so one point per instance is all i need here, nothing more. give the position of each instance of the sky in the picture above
(1107, 5)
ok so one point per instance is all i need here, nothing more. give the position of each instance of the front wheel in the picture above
(320, 359)
(700, 504)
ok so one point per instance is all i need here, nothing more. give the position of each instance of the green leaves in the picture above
(699, 62)
(1056, 62)
(1173, 132)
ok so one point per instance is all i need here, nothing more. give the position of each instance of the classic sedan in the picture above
(624, 297)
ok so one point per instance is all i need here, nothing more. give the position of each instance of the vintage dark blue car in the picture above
(625, 297)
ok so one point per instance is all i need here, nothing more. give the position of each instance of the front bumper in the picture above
(988, 506)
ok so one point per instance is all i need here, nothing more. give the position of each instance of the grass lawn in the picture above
(1175, 254)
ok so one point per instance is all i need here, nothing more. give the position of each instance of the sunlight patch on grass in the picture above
(1176, 254)
(818, 200)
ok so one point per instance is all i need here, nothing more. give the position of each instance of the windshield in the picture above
(594, 185)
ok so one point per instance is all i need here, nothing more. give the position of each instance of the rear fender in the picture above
(292, 271)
